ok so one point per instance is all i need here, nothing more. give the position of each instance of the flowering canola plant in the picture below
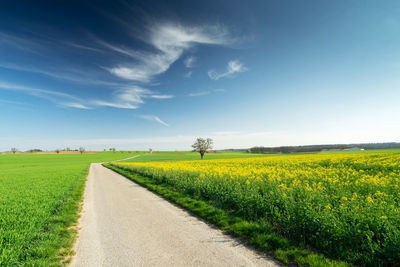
(346, 205)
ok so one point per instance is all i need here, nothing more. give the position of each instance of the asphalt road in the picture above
(124, 224)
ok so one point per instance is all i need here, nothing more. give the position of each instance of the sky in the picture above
(158, 74)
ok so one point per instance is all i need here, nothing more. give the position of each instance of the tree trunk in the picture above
(201, 154)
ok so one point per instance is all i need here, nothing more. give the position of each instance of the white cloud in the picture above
(75, 105)
(234, 66)
(220, 90)
(162, 96)
(154, 118)
(170, 42)
(189, 61)
(130, 98)
(114, 104)
(199, 93)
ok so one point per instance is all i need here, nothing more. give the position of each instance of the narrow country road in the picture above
(124, 224)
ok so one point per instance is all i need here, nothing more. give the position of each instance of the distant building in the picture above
(355, 149)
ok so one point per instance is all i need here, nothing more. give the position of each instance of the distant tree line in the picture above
(34, 150)
(317, 148)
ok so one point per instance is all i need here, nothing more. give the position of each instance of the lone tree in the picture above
(202, 146)
(81, 149)
(13, 150)
(57, 151)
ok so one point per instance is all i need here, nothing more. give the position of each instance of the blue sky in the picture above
(161, 73)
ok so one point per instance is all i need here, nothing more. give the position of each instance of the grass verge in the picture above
(53, 245)
(255, 233)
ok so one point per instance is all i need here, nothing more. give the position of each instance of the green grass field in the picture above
(39, 201)
(173, 156)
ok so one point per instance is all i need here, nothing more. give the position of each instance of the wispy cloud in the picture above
(75, 105)
(60, 98)
(84, 47)
(62, 75)
(234, 66)
(189, 61)
(123, 105)
(120, 49)
(201, 93)
(126, 98)
(162, 96)
(35, 91)
(130, 98)
(153, 118)
(170, 42)
(167, 42)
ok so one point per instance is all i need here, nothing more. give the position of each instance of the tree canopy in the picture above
(202, 145)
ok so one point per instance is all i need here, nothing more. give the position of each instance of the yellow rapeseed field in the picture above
(344, 204)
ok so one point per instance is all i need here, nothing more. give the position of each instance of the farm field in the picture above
(39, 201)
(344, 205)
(185, 155)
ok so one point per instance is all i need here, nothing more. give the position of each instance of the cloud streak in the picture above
(234, 66)
(169, 41)
(53, 96)
(35, 91)
(130, 98)
(125, 98)
(153, 118)
(199, 93)
(75, 105)
(68, 76)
